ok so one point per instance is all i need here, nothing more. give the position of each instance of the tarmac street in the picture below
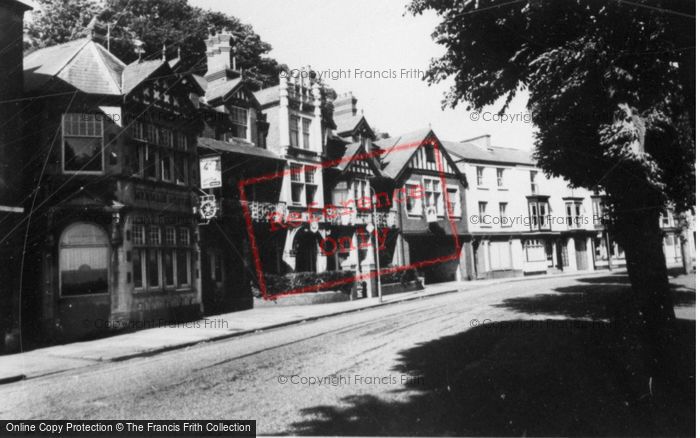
(380, 370)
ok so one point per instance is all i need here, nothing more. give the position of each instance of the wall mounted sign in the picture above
(208, 207)
(210, 172)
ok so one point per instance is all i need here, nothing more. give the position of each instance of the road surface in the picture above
(312, 378)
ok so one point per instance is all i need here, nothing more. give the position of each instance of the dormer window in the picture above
(82, 143)
(239, 117)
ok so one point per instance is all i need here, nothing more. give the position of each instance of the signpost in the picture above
(371, 227)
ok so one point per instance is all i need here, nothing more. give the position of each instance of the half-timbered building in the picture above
(429, 199)
(113, 234)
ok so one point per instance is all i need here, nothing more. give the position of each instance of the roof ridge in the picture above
(110, 54)
(106, 68)
(73, 56)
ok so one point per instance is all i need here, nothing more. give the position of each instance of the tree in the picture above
(611, 91)
(60, 21)
(157, 23)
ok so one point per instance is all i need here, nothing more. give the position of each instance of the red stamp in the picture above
(360, 224)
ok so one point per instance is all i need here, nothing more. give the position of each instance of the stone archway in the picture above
(306, 248)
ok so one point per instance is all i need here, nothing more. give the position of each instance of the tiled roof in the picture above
(353, 149)
(268, 95)
(471, 152)
(201, 81)
(240, 147)
(347, 123)
(400, 149)
(137, 72)
(220, 89)
(42, 65)
(81, 63)
(346, 159)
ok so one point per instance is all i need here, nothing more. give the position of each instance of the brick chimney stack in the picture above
(220, 63)
(345, 105)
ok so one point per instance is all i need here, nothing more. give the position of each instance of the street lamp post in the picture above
(376, 242)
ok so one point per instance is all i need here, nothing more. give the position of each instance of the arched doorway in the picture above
(306, 250)
(83, 267)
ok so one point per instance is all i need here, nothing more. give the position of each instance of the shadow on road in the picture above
(594, 298)
(525, 377)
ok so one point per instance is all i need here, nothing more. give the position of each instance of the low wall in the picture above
(304, 299)
(395, 288)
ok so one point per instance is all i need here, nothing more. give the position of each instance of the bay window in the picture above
(414, 204)
(82, 143)
(598, 211)
(433, 195)
(539, 214)
(453, 201)
(574, 218)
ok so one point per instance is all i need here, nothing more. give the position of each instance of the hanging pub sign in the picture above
(208, 208)
(210, 172)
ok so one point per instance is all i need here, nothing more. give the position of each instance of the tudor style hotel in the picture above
(116, 239)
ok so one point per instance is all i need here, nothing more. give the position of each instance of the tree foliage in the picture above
(60, 21)
(612, 92)
(157, 23)
(592, 68)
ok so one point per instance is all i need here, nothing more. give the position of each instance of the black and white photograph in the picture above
(348, 218)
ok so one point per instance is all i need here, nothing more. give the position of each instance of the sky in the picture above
(369, 45)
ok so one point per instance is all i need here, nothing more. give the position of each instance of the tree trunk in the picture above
(641, 238)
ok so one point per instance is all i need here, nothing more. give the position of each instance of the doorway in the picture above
(581, 254)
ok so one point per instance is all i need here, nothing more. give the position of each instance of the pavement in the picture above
(60, 358)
